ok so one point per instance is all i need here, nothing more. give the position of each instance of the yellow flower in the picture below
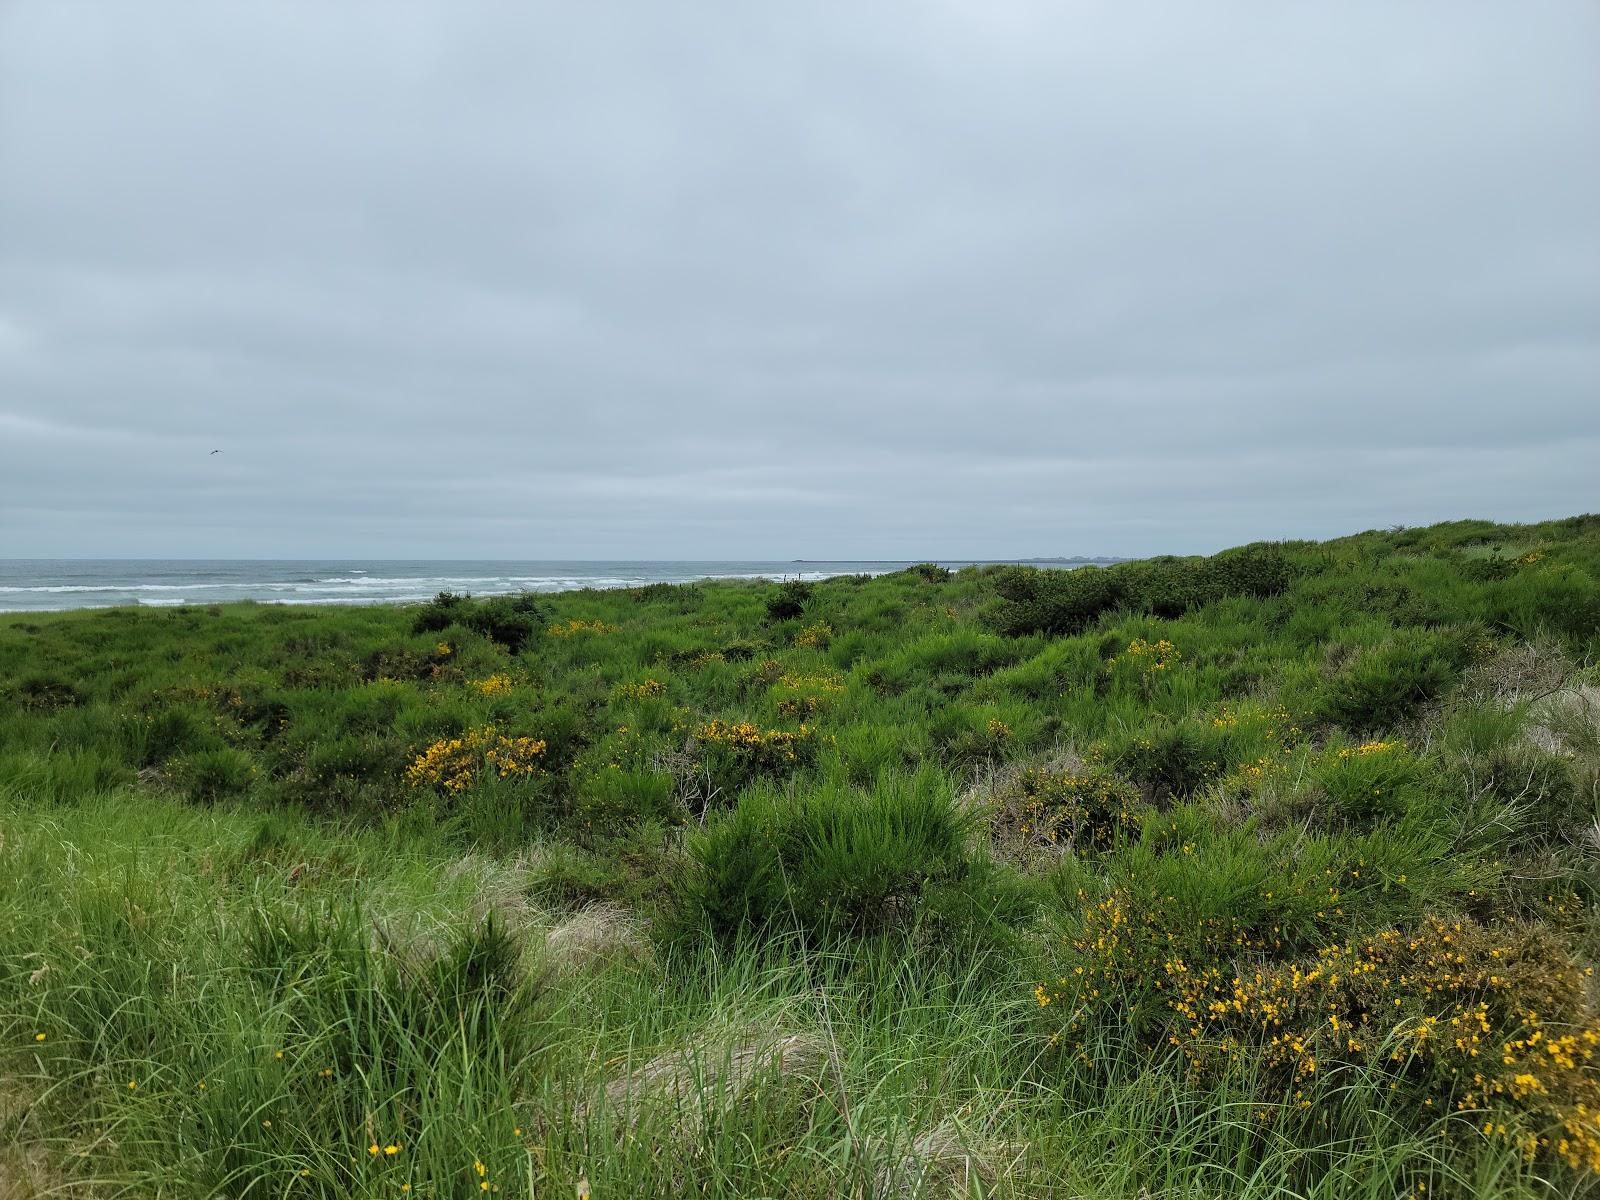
(373, 1149)
(132, 1085)
(39, 1037)
(477, 1165)
(391, 1149)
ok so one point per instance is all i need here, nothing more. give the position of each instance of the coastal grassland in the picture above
(1269, 874)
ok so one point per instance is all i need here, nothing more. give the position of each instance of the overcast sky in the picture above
(529, 280)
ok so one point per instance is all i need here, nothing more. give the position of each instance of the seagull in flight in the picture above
(216, 452)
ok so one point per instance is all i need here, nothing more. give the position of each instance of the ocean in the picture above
(52, 584)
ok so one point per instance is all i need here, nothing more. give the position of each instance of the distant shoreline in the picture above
(1074, 560)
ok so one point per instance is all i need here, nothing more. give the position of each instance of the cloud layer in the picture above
(720, 279)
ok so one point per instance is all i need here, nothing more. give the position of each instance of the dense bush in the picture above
(829, 862)
(1384, 685)
(1068, 601)
(512, 621)
(788, 600)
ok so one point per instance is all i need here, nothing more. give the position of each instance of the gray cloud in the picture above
(719, 279)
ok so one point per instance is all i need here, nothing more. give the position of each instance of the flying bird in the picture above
(216, 452)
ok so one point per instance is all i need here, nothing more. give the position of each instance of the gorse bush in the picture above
(1061, 602)
(1449, 1015)
(788, 600)
(512, 621)
(1372, 781)
(1069, 809)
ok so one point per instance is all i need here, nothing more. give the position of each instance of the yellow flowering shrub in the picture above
(572, 628)
(1083, 810)
(647, 689)
(1458, 1017)
(1462, 1017)
(806, 695)
(771, 745)
(817, 636)
(494, 685)
(1147, 657)
(454, 764)
(824, 682)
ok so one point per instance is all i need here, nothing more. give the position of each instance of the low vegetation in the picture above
(1265, 874)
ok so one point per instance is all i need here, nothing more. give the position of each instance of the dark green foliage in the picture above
(1386, 684)
(211, 775)
(1053, 602)
(512, 621)
(788, 600)
(1259, 570)
(46, 692)
(1067, 601)
(832, 861)
(1170, 759)
(441, 612)
(930, 572)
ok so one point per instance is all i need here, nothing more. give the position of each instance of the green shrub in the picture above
(1370, 782)
(512, 621)
(788, 600)
(1081, 810)
(155, 736)
(1543, 597)
(212, 775)
(1053, 602)
(46, 692)
(1060, 602)
(1386, 684)
(1170, 759)
(608, 800)
(1260, 570)
(831, 862)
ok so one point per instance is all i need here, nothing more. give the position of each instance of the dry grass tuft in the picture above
(26, 1170)
(1517, 674)
(715, 1074)
(944, 1161)
(499, 888)
(594, 937)
(1567, 722)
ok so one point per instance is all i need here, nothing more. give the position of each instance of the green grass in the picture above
(802, 951)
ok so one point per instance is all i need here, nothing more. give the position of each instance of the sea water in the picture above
(45, 584)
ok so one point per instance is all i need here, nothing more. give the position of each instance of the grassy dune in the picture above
(1270, 874)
